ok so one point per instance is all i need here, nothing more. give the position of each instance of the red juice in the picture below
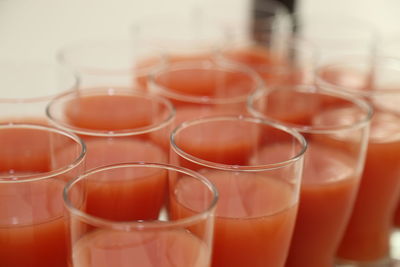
(254, 219)
(109, 112)
(147, 65)
(290, 106)
(368, 232)
(32, 222)
(397, 216)
(33, 231)
(206, 85)
(273, 68)
(122, 196)
(130, 113)
(166, 248)
(331, 173)
(14, 155)
(106, 151)
(329, 187)
(221, 141)
(125, 196)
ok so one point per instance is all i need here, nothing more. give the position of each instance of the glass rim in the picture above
(388, 62)
(51, 174)
(106, 91)
(141, 224)
(64, 53)
(155, 87)
(360, 103)
(43, 65)
(231, 167)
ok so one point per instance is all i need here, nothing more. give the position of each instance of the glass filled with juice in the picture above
(117, 125)
(35, 164)
(337, 138)
(180, 234)
(391, 48)
(256, 167)
(366, 239)
(204, 88)
(28, 86)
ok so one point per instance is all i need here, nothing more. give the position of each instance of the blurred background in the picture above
(36, 29)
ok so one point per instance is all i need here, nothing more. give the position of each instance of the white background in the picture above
(36, 29)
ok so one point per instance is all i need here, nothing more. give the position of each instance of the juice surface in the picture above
(145, 66)
(24, 150)
(206, 85)
(138, 116)
(290, 106)
(225, 142)
(164, 248)
(109, 112)
(273, 68)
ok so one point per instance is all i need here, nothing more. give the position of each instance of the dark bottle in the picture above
(290, 4)
(269, 16)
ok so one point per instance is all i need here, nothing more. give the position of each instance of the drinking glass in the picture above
(145, 214)
(117, 124)
(366, 239)
(390, 48)
(35, 164)
(114, 63)
(256, 167)
(204, 88)
(28, 86)
(336, 129)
